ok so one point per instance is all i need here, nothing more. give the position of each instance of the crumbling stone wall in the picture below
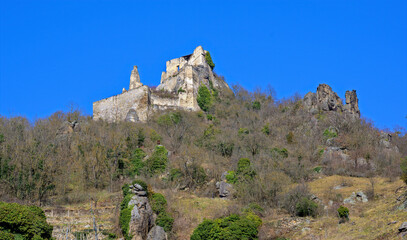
(178, 90)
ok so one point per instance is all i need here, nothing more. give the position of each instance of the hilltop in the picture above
(161, 160)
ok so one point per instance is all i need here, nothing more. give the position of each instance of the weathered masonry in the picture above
(178, 90)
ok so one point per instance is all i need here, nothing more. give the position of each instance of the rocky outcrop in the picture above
(68, 127)
(356, 197)
(351, 107)
(178, 90)
(142, 216)
(328, 100)
(403, 229)
(341, 157)
(225, 189)
(157, 233)
(325, 99)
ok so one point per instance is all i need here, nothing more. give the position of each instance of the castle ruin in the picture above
(178, 90)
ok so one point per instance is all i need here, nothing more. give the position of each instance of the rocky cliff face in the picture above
(325, 99)
(178, 90)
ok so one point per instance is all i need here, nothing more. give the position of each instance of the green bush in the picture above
(256, 105)
(198, 174)
(403, 166)
(254, 207)
(24, 222)
(209, 117)
(6, 235)
(343, 212)
(231, 177)
(125, 189)
(231, 227)
(165, 220)
(208, 59)
(204, 98)
(243, 131)
(157, 163)
(318, 169)
(266, 129)
(124, 220)
(175, 173)
(137, 163)
(244, 168)
(328, 133)
(170, 119)
(225, 149)
(306, 207)
(279, 153)
(158, 203)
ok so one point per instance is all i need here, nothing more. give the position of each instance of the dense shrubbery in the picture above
(159, 206)
(235, 226)
(306, 207)
(157, 163)
(26, 222)
(125, 209)
(204, 98)
(343, 213)
(137, 163)
(297, 202)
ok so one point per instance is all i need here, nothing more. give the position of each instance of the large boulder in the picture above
(225, 189)
(157, 233)
(403, 227)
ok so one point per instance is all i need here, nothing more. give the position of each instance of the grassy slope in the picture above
(367, 220)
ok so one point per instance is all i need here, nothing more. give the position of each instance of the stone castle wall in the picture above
(178, 90)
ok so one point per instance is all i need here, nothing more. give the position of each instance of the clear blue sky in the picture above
(53, 53)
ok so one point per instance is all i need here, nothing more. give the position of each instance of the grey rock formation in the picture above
(403, 227)
(310, 102)
(385, 139)
(225, 189)
(178, 90)
(157, 233)
(356, 197)
(351, 107)
(335, 154)
(327, 100)
(142, 216)
(68, 127)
